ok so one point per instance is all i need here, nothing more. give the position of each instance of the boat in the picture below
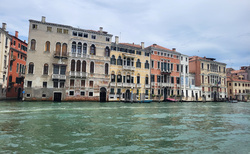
(234, 101)
(144, 101)
(171, 100)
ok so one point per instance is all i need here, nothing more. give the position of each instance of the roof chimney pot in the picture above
(43, 19)
(16, 34)
(4, 26)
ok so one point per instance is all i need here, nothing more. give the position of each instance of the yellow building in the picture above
(238, 88)
(130, 72)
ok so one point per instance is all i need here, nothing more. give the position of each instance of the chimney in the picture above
(101, 28)
(4, 26)
(116, 39)
(174, 49)
(16, 34)
(24, 41)
(154, 44)
(142, 45)
(43, 19)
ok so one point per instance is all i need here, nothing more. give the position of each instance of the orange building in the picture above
(165, 72)
(17, 67)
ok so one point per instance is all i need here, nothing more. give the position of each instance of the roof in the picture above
(159, 47)
(132, 45)
(204, 58)
(235, 78)
(238, 71)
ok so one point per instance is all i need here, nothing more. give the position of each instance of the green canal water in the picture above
(93, 127)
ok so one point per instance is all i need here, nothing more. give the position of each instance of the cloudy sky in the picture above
(211, 28)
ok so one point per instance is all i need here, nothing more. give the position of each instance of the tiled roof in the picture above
(132, 45)
(238, 71)
(160, 47)
(235, 78)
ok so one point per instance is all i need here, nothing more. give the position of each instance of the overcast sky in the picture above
(211, 28)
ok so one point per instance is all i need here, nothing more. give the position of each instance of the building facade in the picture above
(165, 72)
(72, 63)
(5, 40)
(210, 75)
(130, 72)
(238, 88)
(17, 67)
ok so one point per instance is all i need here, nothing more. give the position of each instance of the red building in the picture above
(17, 67)
(165, 72)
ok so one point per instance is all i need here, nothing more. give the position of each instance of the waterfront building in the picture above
(165, 72)
(210, 75)
(238, 84)
(17, 67)
(67, 63)
(130, 72)
(5, 40)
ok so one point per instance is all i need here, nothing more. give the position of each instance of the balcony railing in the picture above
(125, 67)
(165, 71)
(78, 74)
(119, 84)
(112, 84)
(59, 76)
(128, 85)
(152, 83)
(147, 85)
(60, 55)
(75, 54)
(138, 85)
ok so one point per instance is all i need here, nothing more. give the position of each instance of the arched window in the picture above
(106, 69)
(79, 48)
(113, 60)
(138, 63)
(33, 45)
(31, 68)
(64, 49)
(138, 78)
(92, 49)
(73, 47)
(58, 48)
(92, 67)
(84, 49)
(72, 65)
(146, 79)
(128, 61)
(147, 64)
(112, 76)
(46, 69)
(83, 66)
(119, 61)
(107, 51)
(47, 46)
(78, 65)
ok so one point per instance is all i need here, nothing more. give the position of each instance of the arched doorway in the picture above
(103, 94)
(19, 94)
(127, 95)
(215, 96)
(165, 93)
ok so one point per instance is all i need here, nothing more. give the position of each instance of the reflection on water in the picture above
(87, 127)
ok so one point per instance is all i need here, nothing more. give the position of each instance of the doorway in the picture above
(19, 94)
(127, 95)
(103, 93)
(57, 97)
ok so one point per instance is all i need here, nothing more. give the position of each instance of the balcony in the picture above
(112, 84)
(129, 55)
(138, 85)
(165, 84)
(12, 58)
(147, 85)
(128, 85)
(152, 83)
(119, 84)
(77, 55)
(60, 55)
(131, 68)
(165, 71)
(78, 74)
(59, 76)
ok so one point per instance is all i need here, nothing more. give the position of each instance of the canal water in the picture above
(93, 127)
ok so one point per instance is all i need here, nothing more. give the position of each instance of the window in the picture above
(28, 95)
(59, 30)
(73, 65)
(84, 49)
(44, 84)
(202, 79)
(146, 80)
(31, 68)
(91, 83)
(147, 64)
(49, 29)
(90, 93)
(152, 78)
(79, 48)
(83, 66)
(92, 67)
(33, 44)
(79, 34)
(172, 67)
(172, 79)
(78, 65)
(158, 78)
(202, 66)
(29, 84)
(177, 80)
(55, 84)
(72, 82)
(92, 49)
(138, 52)
(85, 35)
(208, 67)
(74, 33)
(113, 78)
(93, 36)
(230, 84)
(177, 66)
(106, 69)
(62, 84)
(14, 43)
(235, 84)
(112, 91)
(138, 63)
(158, 64)
(107, 39)
(71, 93)
(82, 83)
(73, 47)
(45, 69)
(107, 51)
(56, 69)
(113, 60)
(152, 64)
(63, 70)
(34, 26)
(82, 93)
(58, 48)
(43, 95)
(118, 91)
(119, 61)
(64, 49)
(138, 78)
